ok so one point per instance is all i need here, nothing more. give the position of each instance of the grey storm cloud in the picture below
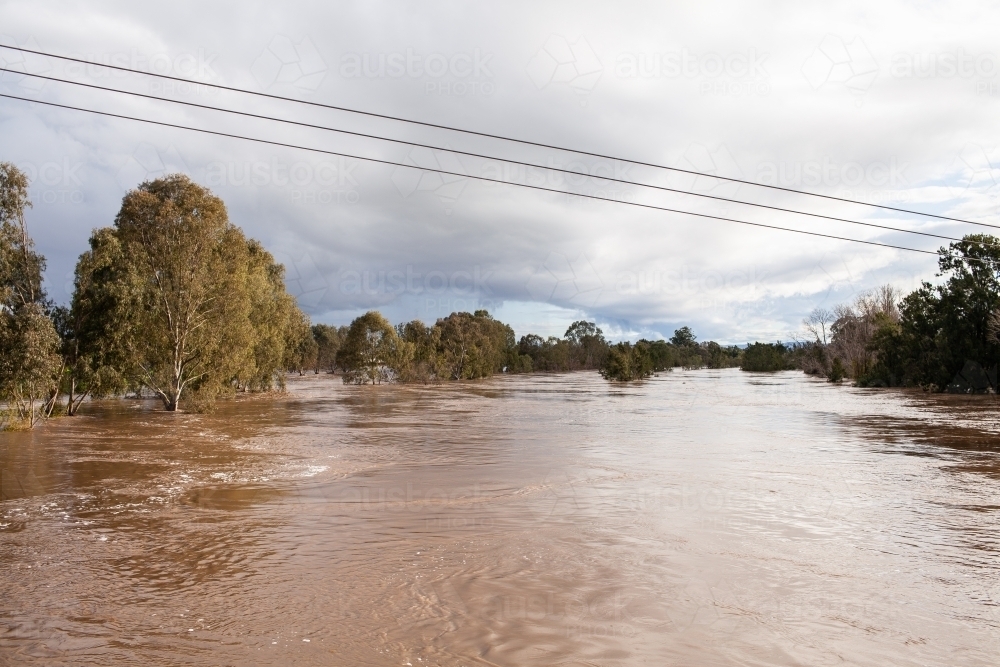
(889, 105)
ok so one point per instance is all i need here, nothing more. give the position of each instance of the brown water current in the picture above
(700, 518)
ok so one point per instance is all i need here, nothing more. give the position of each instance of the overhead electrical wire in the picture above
(485, 134)
(461, 175)
(487, 157)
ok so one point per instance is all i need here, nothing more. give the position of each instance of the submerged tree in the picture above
(302, 348)
(280, 330)
(662, 354)
(369, 350)
(546, 354)
(20, 266)
(583, 346)
(587, 343)
(178, 300)
(856, 325)
(423, 363)
(766, 358)
(30, 365)
(471, 346)
(328, 341)
(462, 346)
(626, 362)
(93, 336)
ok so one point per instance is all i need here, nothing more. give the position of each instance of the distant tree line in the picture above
(628, 361)
(461, 346)
(466, 346)
(173, 301)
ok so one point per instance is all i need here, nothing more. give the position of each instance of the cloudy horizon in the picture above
(890, 104)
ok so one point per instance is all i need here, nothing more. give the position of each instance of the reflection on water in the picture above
(703, 517)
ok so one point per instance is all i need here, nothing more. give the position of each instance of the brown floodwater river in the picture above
(700, 518)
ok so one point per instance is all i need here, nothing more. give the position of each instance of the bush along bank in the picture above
(943, 337)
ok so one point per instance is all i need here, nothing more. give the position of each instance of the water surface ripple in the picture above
(701, 518)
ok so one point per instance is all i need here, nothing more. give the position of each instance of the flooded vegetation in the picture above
(701, 517)
(446, 494)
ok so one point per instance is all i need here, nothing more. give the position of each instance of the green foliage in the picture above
(690, 354)
(423, 365)
(83, 373)
(547, 355)
(716, 356)
(473, 346)
(662, 355)
(837, 371)
(174, 298)
(626, 362)
(302, 349)
(683, 337)
(93, 344)
(462, 346)
(328, 341)
(766, 357)
(280, 331)
(588, 348)
(942, 328)
(369, 351)
(20, 266)
(30, 365)
(583, 347)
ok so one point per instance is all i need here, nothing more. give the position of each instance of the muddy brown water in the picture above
(701, 518)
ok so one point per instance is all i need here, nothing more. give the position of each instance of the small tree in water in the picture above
(837, 371)
(765, 357)
(30, 365)
(626, 362)
(368, 352)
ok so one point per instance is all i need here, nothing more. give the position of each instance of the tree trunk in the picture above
(70, 409)
(170, 399)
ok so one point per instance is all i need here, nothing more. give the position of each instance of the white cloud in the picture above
(694, 102)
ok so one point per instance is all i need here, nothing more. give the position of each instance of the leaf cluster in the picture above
(30, 364)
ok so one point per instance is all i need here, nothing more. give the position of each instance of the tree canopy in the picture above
(30, 364)
(368, 353)
(941, 329)
(765, 357)
(626, 362)
(174, 298)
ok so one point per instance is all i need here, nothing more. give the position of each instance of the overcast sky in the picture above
(886, 102)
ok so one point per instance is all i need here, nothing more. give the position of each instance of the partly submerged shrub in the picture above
(626, 362)
(766, 357)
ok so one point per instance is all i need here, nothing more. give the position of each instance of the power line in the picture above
(487, 157)
(486, 135)
(460, 175)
